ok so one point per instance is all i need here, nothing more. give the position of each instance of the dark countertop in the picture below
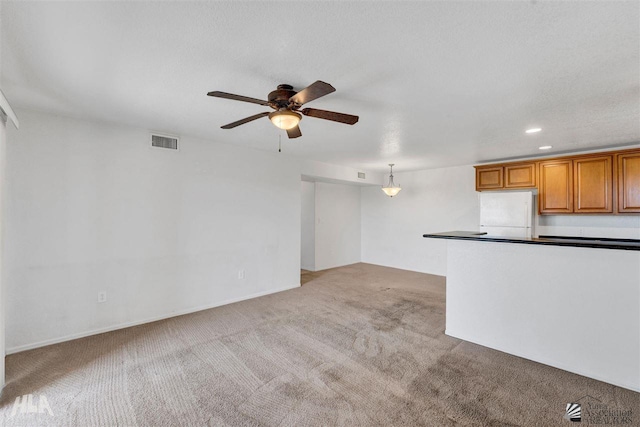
(578, 242)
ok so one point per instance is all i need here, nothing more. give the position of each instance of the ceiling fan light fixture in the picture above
(391, 189)
(285, 119)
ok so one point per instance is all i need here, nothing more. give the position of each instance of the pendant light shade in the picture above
(391, 189)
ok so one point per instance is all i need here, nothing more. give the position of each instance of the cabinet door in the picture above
(556, 187)
(592, 185)
(489, 178)
(520, 176)
(629, 182)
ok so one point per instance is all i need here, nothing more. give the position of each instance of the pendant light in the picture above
(391, 189)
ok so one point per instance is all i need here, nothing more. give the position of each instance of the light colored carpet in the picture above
(359, 345)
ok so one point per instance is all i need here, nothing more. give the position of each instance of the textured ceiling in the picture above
(434, 83)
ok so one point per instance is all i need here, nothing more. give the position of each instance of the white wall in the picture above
(573, 308)
(338, 226)
(434, 200)
(611, 226)
(92, 207)
(308, 230)
(338, 174)
(3, 144)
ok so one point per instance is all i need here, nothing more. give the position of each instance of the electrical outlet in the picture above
(240, 274)
(102, 296)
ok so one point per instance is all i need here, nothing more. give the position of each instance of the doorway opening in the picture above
(330, 225)
(308, 231)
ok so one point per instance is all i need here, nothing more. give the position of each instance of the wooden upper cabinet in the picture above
(593, 185)
(497, 177)
(489, 178)
(629, 182)
(555, 192)
(597, 183)
(521, 175)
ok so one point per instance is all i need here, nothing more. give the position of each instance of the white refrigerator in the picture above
(507, 213)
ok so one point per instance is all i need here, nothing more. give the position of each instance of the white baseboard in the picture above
(329, 267)
(553, 363)
(70, 337)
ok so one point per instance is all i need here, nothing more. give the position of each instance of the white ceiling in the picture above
(434, 83)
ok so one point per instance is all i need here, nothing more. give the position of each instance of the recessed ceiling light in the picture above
(544, 147)
(533, 130)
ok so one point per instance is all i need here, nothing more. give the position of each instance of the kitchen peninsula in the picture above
(572, 303)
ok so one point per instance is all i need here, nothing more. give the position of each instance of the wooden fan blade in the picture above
(226, 95)
(245, 120)
(294, 132)
(330, 115)
(311, 92)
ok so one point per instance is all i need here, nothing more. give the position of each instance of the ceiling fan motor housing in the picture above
(279, 98)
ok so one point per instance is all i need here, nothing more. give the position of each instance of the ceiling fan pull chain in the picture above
(279, 143)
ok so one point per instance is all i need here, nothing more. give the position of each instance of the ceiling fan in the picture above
(287, 102)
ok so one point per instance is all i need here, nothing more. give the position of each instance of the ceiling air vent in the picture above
(164, 141)
(361, 175)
